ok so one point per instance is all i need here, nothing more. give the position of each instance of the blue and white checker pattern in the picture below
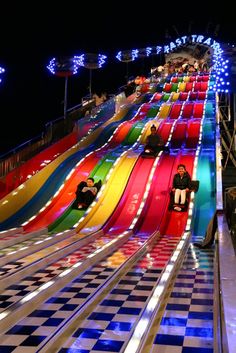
(109, 327)
(187, 324)
(32, 331)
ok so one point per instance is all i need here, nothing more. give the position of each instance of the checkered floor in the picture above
(187, 323)
(186, 326)
(40, 325)
(109, 327)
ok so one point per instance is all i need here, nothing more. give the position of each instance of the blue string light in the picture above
(63, 66)
(90, 60)
(127, 55)
(2, 70)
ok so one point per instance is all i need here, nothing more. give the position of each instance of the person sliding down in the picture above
(154, 142)
(86, 193)
(181, 185)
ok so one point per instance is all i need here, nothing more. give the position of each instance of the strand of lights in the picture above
(134, 53)
(2, 70)
(80, 60)
(220, 70)
(143, 52)
(118, 56)
(101, 60)
(148, 51)
(128, 55)
(68, 66)
(87, 60)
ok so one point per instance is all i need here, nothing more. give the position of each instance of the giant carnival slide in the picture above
(131, 213)
(164, 128)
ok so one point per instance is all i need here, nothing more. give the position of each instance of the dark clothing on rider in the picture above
(182, 183)
(86, 194)
(154, 143)
(154, 140)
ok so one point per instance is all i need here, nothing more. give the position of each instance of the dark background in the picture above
(31, 36)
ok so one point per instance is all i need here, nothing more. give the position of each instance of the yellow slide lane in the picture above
(186, 79)
(147, 130)
(12, 202)
(182, 86)
(175, 96)
(164, 111)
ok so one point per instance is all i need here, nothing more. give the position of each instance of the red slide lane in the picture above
(156, 97)
(127, 208)
(175, 110)
(158, 197)
(155, 215)
(20, 174)
(188, 110)
(192, 133)
(164, 129)
(183, 96)
(179, 134)
(173, 223)
(198, 110)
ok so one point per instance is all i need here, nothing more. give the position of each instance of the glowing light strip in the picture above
(54, 67)
(81, 60)
(155, 299)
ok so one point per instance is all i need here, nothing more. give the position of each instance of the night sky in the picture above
(30, 37)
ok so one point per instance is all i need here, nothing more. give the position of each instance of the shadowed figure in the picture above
(86, 193)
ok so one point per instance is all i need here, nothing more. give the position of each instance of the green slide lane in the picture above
(72, 216)
(134, 133)
(165, 97)
(153, 111)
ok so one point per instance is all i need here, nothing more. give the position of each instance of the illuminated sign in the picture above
(194, 38)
